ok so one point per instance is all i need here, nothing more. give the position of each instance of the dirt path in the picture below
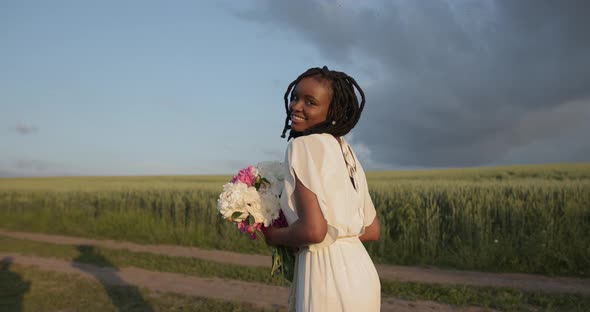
(171, 250)
(527, 282)
(266, 296)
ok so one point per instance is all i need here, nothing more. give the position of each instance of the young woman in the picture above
(326, 199)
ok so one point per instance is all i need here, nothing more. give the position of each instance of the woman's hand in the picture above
(269, 233)
(372, 232)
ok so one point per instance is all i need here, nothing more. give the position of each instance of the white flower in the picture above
(238, 201)
(274, 173)
(277, 188)
(271, 169)
(231, 201)
(270, 206)
(251, 199)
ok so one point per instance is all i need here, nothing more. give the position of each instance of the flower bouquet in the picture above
(251, 200)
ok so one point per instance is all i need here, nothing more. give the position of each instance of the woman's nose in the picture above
(294, 105)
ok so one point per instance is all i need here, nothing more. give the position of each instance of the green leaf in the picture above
(236, 215)
(250, 219)
(276, 262)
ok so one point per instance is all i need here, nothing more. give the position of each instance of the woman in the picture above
(326, 199)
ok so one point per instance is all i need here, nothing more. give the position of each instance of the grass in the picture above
(505, 299)
(105, 183)
(30, 289)
(153, 262)
(529, 219)
(499, 298)
(510, 226)
(556, 172)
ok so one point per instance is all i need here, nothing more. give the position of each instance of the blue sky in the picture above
(141, 88)
(195, 87)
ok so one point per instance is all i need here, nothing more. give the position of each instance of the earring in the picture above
(333, 122)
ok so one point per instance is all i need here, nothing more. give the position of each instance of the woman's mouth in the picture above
(296, 118)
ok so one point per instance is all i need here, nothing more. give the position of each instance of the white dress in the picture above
(336, 274)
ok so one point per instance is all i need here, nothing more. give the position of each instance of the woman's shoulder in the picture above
(316, 139)
(316, 146)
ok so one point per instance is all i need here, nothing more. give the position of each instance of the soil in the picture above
(267, 296)
(528, 282)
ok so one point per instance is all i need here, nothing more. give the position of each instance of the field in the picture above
(530, 219)
(526, 219)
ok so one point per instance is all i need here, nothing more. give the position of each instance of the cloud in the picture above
(8, 174)
(32, 164)
(25, 129)
(156, 167)
(274, 155)
(365, 155)
(32, 168)
(454, 83)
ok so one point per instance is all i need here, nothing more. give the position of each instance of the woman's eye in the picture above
(309, 103)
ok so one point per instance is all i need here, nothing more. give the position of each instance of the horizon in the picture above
(493, 167)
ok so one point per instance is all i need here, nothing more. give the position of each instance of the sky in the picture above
(196, 87)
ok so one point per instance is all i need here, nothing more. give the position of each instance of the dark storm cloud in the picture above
(25, 129)
(455, 83)
(32, 168)
(33, 165)
(7, 174)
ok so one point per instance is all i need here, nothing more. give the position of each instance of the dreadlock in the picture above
(344, 108)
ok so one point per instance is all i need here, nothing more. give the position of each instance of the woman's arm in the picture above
(372, 232)
(310, 228)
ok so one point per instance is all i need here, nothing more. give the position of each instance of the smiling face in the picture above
(310, 103)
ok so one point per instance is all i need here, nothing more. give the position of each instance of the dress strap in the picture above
(349, 160)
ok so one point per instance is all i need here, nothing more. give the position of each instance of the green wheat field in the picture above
(530, 219)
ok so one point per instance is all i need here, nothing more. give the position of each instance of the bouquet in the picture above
(251, 200)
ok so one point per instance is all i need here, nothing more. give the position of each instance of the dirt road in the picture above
(272, 297)
(526, 282)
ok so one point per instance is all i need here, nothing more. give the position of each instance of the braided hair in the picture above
(344, 111)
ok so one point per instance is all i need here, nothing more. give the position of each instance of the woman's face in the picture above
(310, 103)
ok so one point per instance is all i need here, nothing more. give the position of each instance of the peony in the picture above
(276, 187)
(271, 169)
(251, 199)
(270, 207)
(247, 176)
(232, 201)
(252, 203)
(274, 173)
(249, 229)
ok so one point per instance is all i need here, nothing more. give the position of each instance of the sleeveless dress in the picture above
(336, 274)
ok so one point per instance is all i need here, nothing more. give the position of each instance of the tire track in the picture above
(265, 296)
(527, 282)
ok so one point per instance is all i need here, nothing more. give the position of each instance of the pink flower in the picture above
(243, 226)
(246, 176)
(250, 229)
